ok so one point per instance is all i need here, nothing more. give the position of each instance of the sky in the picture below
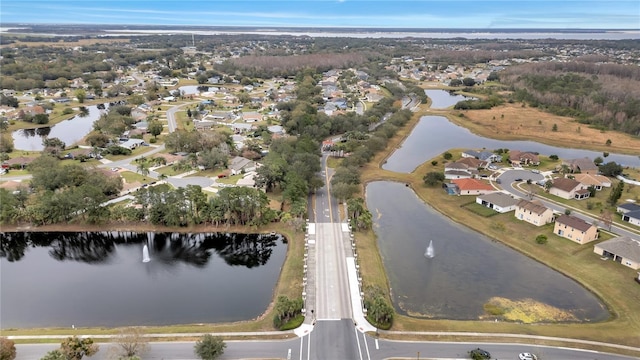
(479, 14)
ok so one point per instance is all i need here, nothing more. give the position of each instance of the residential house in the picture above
(482, 155)
(473, 163)
(498, 201)
(132, 143)
(20, 161)
(276, 129)
(472, 187)
(582, 166)
(519, 158)
(630, 213)
(568, 189)
(239, 164)
(250, 117)
(533, 212)
(623, 249)
(597, 181)
(575, 229)
(456, 170)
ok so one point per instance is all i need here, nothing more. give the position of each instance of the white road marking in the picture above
(358, 341)
(366, 346)
(377, 347)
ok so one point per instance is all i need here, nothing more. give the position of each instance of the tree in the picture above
(41, 119)
(468, 81)
(7, 349)
(598, 161)
(554, 127)
(155, 128)
(611, 169)
(81, 95)
(143, 168)
(74, 348)
(607, 219)
(433, 178)
(130, 342)
(54, 355)
(209, 347)
(455, 82)
(447, 155)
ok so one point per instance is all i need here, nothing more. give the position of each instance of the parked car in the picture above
(518, 179)
(479, 354)
(527, 356)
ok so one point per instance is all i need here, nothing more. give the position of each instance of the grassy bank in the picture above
(611, 282)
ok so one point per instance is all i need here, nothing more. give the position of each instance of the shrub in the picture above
(541, 239)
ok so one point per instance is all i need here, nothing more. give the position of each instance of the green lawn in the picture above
(231, 180)
(169, 171)
(131, 177)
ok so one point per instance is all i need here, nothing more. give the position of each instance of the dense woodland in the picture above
(607, 96)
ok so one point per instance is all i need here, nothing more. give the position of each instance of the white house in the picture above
(498, 201)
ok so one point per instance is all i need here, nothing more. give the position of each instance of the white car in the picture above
(527, 356)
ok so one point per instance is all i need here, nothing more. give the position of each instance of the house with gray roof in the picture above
(482, 155)
(239, 164)
(623, 249)
(498, 201)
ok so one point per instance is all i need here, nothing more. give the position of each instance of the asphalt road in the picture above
(524, 190)
(323, 344)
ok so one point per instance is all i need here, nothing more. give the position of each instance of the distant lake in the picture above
(100, 279)
(433, 135)
(69, 131)
(441, 99)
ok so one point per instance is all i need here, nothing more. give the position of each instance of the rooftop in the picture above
(623, 246)
(574, 222)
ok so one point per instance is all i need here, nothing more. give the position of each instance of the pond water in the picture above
(441, 99)
(434, 135)
(100, 279)
(467, 268)
(190, 89)
(69, 131)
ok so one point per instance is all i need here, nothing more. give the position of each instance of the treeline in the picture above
(283, 66)
(53, 67)
(59, 194)
(606, 96)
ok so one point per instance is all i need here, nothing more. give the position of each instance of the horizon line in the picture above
(267, 27)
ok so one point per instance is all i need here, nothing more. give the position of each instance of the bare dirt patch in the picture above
(512, 121)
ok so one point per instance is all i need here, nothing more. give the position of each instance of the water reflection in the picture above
(99, 279)
(468, 270)
(249, 250)
(69, 131)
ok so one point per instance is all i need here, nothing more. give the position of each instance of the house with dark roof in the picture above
(582, 166)
(569, 189)
(533, 212)
(575, 229)
(472, 187)
(627, 207)
(630, 213)
(498, 201)
(623, 249)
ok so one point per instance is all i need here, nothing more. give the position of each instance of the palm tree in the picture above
(143, 168)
